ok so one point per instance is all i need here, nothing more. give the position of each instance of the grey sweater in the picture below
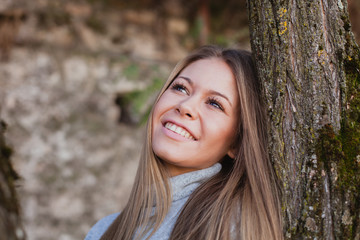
(182, 187)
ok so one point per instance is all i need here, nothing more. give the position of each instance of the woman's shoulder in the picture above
(100, 227)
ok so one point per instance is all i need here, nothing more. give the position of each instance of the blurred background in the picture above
(77, 80)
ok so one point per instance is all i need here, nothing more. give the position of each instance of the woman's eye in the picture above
(180, 88)
(215, 104)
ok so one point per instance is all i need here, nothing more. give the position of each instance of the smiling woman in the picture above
(194, 119)
(204, 172)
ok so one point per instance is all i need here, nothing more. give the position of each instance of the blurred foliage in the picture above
(223, 15)
(135, 106)
(132, 71)
(142, 100)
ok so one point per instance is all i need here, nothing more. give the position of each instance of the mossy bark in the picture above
(10, 222)
(309, 63)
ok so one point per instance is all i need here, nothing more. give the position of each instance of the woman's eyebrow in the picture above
(213, 92)
(220, 95)
(187, 79)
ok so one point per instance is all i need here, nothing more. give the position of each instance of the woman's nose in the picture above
(188, 108)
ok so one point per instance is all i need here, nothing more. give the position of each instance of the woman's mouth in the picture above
(179, 130)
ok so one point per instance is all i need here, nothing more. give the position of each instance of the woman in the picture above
(204, 172)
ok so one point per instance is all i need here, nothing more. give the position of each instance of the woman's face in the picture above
(195, 119)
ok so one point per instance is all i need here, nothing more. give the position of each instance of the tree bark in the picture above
(10, 222)
(308, 61)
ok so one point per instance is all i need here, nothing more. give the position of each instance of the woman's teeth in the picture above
(179, 130)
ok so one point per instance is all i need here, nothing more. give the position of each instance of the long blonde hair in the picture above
(240, 202)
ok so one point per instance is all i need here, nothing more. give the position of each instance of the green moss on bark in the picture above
(350, 137)
(343, 149)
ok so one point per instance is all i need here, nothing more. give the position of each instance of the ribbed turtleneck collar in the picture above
(183, 185)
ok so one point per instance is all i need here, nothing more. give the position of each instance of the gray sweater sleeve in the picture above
(100, 227)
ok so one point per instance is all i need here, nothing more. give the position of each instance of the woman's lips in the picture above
(179, 130)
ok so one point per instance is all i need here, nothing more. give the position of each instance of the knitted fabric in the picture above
(182, 187)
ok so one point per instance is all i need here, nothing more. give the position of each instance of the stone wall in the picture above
(58, 89)
(77, 162)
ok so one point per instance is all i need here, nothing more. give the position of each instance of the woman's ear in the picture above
(231, 153)
(234, 146)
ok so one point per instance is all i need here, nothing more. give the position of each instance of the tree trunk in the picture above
(10, 223)
(308, 61)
